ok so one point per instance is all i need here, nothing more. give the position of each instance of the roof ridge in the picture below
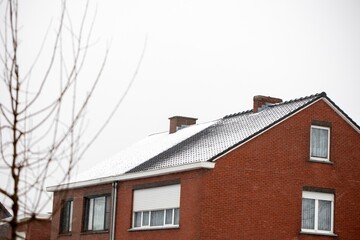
(316, 95)
(237, 114)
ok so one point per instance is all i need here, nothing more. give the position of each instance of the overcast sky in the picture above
(207, 58)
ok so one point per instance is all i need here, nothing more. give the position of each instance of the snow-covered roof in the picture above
(197, 145)
(224, 135)
(140, 152)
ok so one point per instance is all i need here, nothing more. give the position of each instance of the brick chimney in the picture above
(178, 122)
(261, 102)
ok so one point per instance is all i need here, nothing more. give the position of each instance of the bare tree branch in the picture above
(40, 137)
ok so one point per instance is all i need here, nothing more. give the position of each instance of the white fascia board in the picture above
(133, 176)
(266, 129)
(342, 115)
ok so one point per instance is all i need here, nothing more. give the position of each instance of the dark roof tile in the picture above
(226, 134)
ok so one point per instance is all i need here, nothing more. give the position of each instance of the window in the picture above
(317, 212)
(156, 207)
(320, 143)
(156, 218)
(66, 216)
(97, 213)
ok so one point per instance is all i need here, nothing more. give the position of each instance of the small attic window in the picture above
(320, 143)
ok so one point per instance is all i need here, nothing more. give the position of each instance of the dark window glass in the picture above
(66, 216)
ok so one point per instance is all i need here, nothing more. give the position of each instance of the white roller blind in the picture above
(157, 198)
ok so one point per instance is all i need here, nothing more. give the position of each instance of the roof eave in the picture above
(133, 176)
(340, 112)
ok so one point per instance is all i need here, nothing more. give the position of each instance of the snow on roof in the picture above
(198, 143)
(224, 135)
(139, 153)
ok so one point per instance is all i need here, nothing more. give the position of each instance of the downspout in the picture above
(114, 188)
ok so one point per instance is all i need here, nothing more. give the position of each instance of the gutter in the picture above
(133, 176)
(114, 188)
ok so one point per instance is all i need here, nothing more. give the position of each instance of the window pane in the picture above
(90, 205)
(66, 217)
(319, 142)
(137, 220)
(169, 216)
(324, 215)
(308, 213)
(145, 221)
(107, 212)
(70, 215)
(99, 213)
(157, 218)
(176, 216)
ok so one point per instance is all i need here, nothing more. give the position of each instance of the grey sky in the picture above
(206, 59)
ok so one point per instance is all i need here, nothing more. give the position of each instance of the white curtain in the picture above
(145, 221)
(157, 218)
(137, 221)
(319, 142)
(308, 213)
(324, 215)
(169, 216)
(99, 213)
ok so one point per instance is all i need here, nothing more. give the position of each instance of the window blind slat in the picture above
(157, 198)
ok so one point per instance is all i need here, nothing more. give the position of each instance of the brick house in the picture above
(35, 227)
(30, 227)
(283, 170)
(4, 226)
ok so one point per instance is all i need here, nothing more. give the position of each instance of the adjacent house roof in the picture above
(201, 143)
(4, 212)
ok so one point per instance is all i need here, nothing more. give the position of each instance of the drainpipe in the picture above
(114, 188)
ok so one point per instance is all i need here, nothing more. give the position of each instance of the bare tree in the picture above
(42, 119)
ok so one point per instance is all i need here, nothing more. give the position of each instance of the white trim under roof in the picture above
(133, 176)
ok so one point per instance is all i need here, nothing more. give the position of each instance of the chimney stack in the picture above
(179, 122)
(261, 102)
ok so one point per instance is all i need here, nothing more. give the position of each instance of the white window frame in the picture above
(162, 198)
(327, 159)
(319, 196)
(164, 225)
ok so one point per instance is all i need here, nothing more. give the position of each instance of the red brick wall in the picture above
(255, 191)
(78, 206)
(36, 229)
(189, 209)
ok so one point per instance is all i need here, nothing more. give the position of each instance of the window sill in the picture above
(153, 228)
(321, 161)
(318, 233)
(94, 232)
(65, 234)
